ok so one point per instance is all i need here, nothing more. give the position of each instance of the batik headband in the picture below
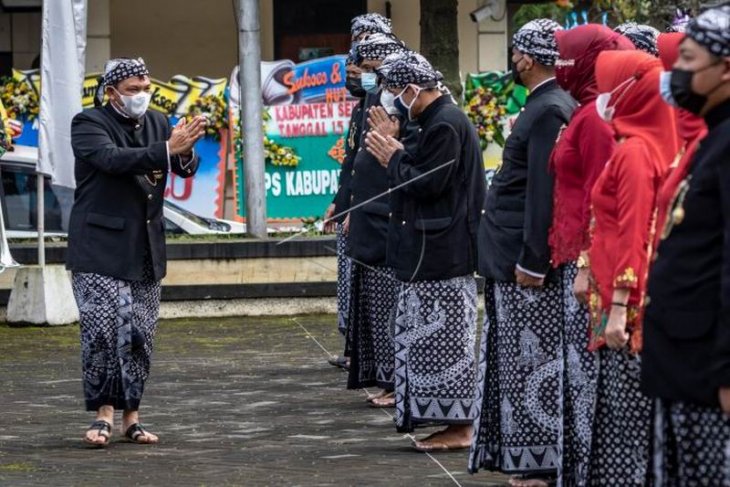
(711, 29)
(370, 24)
(537, 40)
(412, 69)
(379, 46)
(644, 37)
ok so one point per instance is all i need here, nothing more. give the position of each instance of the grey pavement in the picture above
(244, 401)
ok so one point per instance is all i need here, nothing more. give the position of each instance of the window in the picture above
(20, 204)
(303, 30)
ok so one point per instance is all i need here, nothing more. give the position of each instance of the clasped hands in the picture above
(185, 134)
(380, 140)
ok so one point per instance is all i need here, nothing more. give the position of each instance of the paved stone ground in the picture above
(236, 402)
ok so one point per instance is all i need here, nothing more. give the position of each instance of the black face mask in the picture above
(354, 86)
(680, 84)
(516, 73)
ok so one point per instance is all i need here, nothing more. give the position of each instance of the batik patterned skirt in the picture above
(118, 324)
(435, 332)
(344, 276)
(520, 379)
(580, 373)
(691, 445)
(620, 452)
(372, 349)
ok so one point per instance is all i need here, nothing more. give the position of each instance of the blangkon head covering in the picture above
(117, 70)
(412, 69)
(379, 46)
(711, 29)
(537, 39)
(370, 24)
(643, 36)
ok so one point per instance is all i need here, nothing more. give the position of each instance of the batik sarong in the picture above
(372, 361)
(118, 323)
(691, 445)
(520, 379)
(344, 276)
(435, 332)
(620, 451)
(580, 372)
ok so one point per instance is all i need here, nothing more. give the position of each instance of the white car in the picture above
(178, 221)
(18, 195)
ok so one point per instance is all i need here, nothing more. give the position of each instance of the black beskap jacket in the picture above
(518, 209)
(121, 174)
(368, 235)
(352, 144)
(435, 222)
(686, 352)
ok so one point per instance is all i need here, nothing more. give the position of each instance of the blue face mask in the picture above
(404, 109)
(370, 82)
(665, 88)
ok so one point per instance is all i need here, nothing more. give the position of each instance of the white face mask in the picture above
(604, 111)
(607, 112)
(387, 99)
(135, 106)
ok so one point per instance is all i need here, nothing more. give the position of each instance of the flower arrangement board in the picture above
(492, 101)
(305, 124)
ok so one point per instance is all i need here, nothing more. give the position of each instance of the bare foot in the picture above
(454, 437)
(518, 482)
(385, 401)
(377, 395)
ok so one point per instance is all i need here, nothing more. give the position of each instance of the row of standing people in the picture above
(412, 185)
(600, 177)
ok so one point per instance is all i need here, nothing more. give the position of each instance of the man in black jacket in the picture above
(517, 431)
(686, 354)
(374, 284)
(440, 186)
(116, 247)
(362, 27)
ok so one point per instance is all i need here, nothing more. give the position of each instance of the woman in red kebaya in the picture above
(690, 129)
(580, 155)
(623, 200)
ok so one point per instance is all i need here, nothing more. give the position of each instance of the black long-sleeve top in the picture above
(686, 354)
(517, 214)
(352, 144)
(436, 217)
(121, 173)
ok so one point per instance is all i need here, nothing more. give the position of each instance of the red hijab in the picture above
(579, 47)
(689, 125)
(640, 110)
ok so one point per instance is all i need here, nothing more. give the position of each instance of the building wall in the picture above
(98, 35)
(188, 37)
(481, 47)
(20, 33)
(193, 37)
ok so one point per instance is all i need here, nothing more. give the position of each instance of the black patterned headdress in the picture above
(116, 71)
(711, 29)
(537, 39)
(371, 23)
(644, 37)
(379, 46)
(412, 69)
